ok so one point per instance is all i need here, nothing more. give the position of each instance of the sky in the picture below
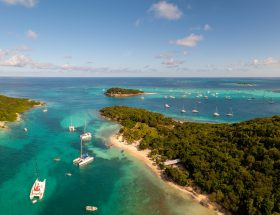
(140, 38)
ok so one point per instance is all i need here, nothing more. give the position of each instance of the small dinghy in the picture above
(91, 208)
(69, 174)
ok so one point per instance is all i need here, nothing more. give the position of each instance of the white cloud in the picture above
(189, 41)
(166, 10)
(207, 27)
(26, 3)
(266, 61)
(172, 62)
(16, 61)
(31, 35)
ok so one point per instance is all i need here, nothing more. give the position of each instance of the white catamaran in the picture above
(38, 188)
(86, 136)
(71, 127)
(83, 159)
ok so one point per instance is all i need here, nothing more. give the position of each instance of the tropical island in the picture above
(236, 165)
(123, 92)
(245, 84)
(10, 108)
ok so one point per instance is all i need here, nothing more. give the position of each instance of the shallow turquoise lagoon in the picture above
(115, 182)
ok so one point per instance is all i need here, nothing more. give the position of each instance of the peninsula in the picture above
(123, 92)
(235, 165)
(10, 108)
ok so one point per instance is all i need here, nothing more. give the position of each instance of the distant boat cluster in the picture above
(206, 97)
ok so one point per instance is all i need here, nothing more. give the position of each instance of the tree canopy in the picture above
(9, 107)
(237, 164)
(122, 91)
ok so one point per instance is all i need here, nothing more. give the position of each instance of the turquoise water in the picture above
(115, 182)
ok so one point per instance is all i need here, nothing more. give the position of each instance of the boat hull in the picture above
(38, 189)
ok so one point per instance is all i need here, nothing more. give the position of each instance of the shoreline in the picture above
(3, 124)
(203, 199)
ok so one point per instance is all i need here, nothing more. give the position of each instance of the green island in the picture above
(11, 107)
(238, 164)
(122, 92)
(245, 84)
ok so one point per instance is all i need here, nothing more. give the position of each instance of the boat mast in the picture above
(85, 127)
(36, 170)
(81, 148)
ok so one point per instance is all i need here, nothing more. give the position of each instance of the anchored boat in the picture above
(91, 208)
(38, 188)
(86, 136)
(71, 127)
(84, 159)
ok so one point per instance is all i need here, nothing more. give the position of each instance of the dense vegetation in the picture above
(237, 164)
(122, 91)
(10, 106)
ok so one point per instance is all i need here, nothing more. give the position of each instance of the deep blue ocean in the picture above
(115, 182)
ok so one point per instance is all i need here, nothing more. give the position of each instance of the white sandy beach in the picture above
(117, 140)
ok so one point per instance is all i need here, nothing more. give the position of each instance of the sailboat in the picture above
(271, 101)
(216, 113)
(183, 110)
(230, 113)
(38, 188)
(166, 106)
(83, 159)
(195, 110)
(71, 126)
(86, 136)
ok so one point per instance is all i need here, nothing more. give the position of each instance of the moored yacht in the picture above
(83, 159)
(38, 188)
(91, 208)
(195, 111)
(71, 127)
(86, 136)
(167, 106)
(216, 113)
(183, 110)
(230, 113)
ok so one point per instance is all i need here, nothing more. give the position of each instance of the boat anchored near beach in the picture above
(86, 136)
(183, 110)
(216, 113)
(166, 106)
(71, 127)
(84, 159)
(38, 188)
(230, 113)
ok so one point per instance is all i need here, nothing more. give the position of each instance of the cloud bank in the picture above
(25, 3)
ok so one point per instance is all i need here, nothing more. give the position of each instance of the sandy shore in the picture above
(117, 140)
